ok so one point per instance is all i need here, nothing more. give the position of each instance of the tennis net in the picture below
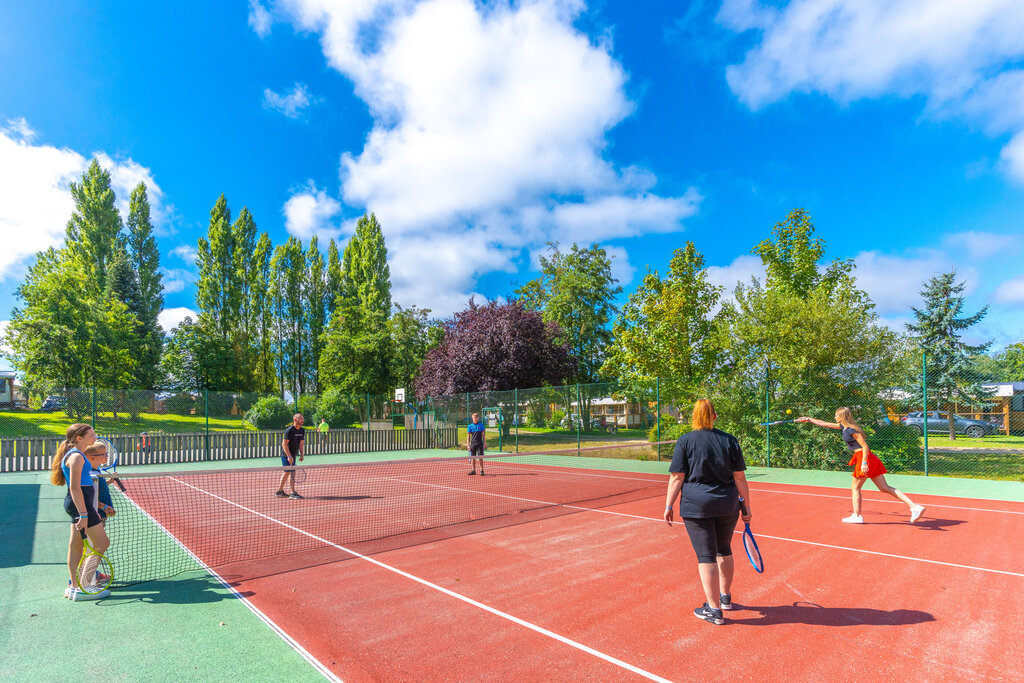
(172, 522)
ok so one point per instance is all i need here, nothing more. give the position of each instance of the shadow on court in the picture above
(924, 523)
(18, 529)
(816, 615)
(342, 497)
(186, 591)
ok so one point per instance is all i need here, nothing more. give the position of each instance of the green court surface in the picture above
(190, 627)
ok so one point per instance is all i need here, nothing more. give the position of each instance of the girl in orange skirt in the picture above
(866, 464)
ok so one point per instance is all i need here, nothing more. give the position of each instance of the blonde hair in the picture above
(844, 416)
(703, 414)
(75, 431)
(94, 449)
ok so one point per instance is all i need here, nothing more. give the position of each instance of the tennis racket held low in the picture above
(749, 544)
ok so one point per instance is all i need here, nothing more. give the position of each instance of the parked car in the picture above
(55, 402)
(938, 423)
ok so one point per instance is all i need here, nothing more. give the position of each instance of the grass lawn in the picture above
(962, 441)
(971, 465)
(46, 424)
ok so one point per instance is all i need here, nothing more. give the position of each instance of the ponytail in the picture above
(74, 432)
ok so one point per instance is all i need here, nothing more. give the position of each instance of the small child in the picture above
(96, 456)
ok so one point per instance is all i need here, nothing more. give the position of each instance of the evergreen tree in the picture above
(333, 278)
(262, 311)
(939, 328)
(315, 310)
(93, 231)
(576, 291)
(357, 355)
(216, 285)
(144, 260)
(243, 238)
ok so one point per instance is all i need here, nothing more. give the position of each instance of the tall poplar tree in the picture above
(262, 311)
(315, 311)
(144, 259)
(93, 231)
(333, 278)
(216, 285)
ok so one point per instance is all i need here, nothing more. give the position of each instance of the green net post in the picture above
(767, 415)
(924, 405)
(206, 409)
(579, 417)
(657, 410)
(94, 408)
(469, 418)
(367, 421)
(515, 411)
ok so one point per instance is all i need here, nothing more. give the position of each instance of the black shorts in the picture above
(711, 536)
(476, 449)
(93, 516)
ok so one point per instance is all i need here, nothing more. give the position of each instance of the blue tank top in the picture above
(851, 442)
(85, 479)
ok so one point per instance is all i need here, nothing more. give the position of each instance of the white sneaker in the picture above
(916, 512)
(67, 591)
(854, 519)
(77, 595)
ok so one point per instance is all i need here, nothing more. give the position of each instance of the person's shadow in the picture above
(183, 591)
(816, 615)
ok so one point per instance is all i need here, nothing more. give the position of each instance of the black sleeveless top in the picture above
(851, 442)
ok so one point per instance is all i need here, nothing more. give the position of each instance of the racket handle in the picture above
(743, 505)
(120, 485)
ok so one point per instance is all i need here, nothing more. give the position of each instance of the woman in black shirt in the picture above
(707, 473)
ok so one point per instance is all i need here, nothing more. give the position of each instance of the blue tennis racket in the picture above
(749, 544)
(111, 467)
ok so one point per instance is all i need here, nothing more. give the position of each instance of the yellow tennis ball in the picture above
(789, 412)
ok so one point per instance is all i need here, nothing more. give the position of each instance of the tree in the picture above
(216, 288)
(792, 258)
(144, 260)
(288, 267)
(938, 329)
(194, 359)
(1013, 360)
(357, 355)
(333, 278)
(409, 336)
(667, 330)
(576, 291)
(262, 313)
(494, 347)
(315, 309)
(92, 232)
(243, 238)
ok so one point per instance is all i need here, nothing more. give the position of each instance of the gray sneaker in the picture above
(726, 599)
(709, 614)
(78, 595)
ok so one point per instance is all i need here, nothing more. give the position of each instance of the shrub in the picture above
(180, 404)
(307, 405)
(671, 430)
(897, 445)
(558, 420)
(336, 408)
(535, 413)
(269, 412)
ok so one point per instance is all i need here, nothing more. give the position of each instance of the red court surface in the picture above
(606, 593)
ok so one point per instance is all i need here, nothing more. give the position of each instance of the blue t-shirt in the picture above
(85, 479)
(476, 433)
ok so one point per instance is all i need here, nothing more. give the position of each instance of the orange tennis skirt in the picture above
(875, 466)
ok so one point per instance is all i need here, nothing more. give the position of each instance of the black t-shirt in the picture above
(708, 457)
(850, 439)
(294, 436)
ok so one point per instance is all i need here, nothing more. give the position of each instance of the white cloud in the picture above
(979, 246)
(963, 57)
(3, 330)
(125, 176)
(488, 121)
(185, 252)
(176, 279)
(19, 128)
(1012, 156)
(170, 318)
(1011, 291)
(894, 282)
(742, 269)
(291, 104)
(312, 212)
(622, 269)
(259, 18)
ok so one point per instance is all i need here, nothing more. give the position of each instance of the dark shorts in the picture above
(69, 507)
(476, 449)
(711, 537)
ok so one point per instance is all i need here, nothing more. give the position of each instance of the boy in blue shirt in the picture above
(476, 442)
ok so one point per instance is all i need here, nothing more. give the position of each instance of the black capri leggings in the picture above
(711, 536)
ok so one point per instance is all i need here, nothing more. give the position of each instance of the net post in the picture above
(579, 417)
(767, 414)
(515, 408)
(367, 422)
(94, 407)
(657, 410)
(924, 405)
(206, 404)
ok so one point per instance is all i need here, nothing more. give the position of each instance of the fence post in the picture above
(657, 411)
(767, 414)
(579, 417)
(94, 408)
(924, 405)
(206, 405)
(515, 406)
(367, 421)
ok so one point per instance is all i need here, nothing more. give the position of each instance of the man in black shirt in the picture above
(294, 442)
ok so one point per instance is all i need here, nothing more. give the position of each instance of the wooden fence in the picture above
(22, 454)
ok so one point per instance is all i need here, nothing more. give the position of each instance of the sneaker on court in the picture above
(67, 590)
(709, 614)
(470, 474)
(77, 595)
(916, 512)
(726, 599)
(481, 473)
(294, 496)
(281, 494)
(854, 519)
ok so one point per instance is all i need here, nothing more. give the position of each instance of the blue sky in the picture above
(478, 132)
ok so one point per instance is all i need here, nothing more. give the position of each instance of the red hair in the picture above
(703, 414)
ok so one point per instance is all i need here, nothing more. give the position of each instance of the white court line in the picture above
(883, 500)
(314, 662)
(458, 596)
(777, 538)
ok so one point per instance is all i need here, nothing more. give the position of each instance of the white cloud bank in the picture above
(35, 195)
(489, 136)
(170, 318)
(312, 212)
(964, 57)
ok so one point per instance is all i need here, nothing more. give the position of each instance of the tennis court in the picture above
(546, 568)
